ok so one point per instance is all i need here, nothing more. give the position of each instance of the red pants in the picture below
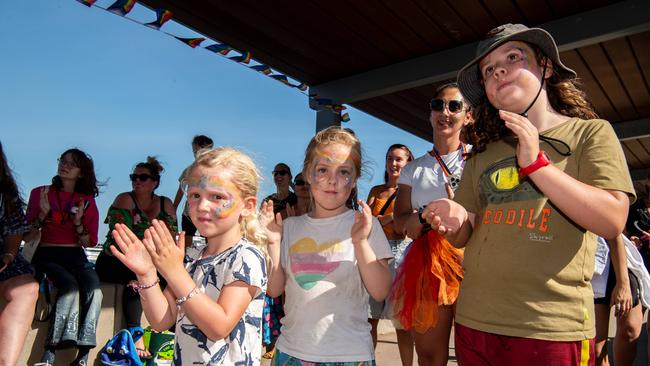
(477, 348)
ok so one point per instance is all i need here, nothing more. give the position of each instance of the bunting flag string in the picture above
(162, 16)
(219, 48)
(123, 7)
(192, 42)
(88, 3)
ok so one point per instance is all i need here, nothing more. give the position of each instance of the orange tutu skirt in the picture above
(429, 276)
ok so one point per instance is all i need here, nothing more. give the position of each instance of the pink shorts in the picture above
(477, 348)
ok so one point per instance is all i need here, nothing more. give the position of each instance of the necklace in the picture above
(452, 179)
(65, 211)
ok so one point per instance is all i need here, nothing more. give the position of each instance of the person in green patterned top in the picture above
(135, 209)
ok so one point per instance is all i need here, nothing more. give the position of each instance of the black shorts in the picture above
(611, 282)
(188, 226)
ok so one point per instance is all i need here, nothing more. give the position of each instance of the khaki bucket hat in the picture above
(469, 79)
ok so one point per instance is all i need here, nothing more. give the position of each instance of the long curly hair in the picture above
(564, 94)
(87, 182)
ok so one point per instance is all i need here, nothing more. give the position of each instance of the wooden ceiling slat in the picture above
(353, 53)
(398, 106)
(594, 91)
(504, 11)
(600, 65)
(403, 34)
(449, 21)
(389, 115)
(535, 11)
(626, 66)
(562, 8)
(417, 21)
(381, 38)
(312, 50)
(473, 14)
(641, 49)
(631, 159)
(641, 158)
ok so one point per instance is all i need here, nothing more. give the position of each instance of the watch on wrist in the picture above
(420, 218)
(541, 161)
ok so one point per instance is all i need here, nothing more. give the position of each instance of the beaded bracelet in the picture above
(137, 286)
(181, 300)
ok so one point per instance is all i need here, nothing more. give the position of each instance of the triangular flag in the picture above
(262, 68)
(192, 42)
(244, 58)
(121, 7)
(281, 78)
(88, 3)
(162, 16)
(302, 87)
(219, 48)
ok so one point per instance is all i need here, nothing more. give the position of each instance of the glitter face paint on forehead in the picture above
(334, 156)
(225, 206)
(525, 52)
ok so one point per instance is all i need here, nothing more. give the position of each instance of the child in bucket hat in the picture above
(545, 177)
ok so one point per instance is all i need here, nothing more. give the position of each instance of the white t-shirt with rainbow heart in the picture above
(326, 302)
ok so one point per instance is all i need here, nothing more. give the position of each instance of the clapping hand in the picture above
(166, 253)
(132, 252)
(271, 222)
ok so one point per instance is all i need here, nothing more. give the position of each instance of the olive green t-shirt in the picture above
(527, 266)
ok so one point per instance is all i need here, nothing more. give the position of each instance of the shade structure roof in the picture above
(386, 57)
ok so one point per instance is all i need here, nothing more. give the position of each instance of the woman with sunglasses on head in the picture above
(429, 266)
(135, 209)
(67, 215)
(381, 200)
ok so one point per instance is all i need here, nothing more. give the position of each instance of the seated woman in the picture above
(135, 209)
(17, 285)
(68, 215)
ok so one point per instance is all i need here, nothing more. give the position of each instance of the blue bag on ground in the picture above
(120, 350)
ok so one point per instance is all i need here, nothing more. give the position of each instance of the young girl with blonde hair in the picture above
(214, 292)
(328, 261)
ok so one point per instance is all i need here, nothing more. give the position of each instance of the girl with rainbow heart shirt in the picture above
(215, 292)
(328, 261)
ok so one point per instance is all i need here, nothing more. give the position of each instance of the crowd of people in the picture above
(493, 231)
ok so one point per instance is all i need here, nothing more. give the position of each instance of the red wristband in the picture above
(541, 161)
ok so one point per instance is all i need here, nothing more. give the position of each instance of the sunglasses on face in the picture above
(454, 106)
(300, 182)
(66, 163)
(141, 177)
(280, 172)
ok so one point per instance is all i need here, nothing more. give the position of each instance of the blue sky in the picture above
(74, 76)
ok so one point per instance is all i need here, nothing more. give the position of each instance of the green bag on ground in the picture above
(161, 347)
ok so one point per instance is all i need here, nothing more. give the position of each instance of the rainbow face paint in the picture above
(217, 191)
(334, 160)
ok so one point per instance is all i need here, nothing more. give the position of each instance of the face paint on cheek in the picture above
(226, 209)
(226, 206)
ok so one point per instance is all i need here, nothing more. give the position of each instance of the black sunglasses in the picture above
(454, 106)
(281, 172)
(141, 177)
(300, 182)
